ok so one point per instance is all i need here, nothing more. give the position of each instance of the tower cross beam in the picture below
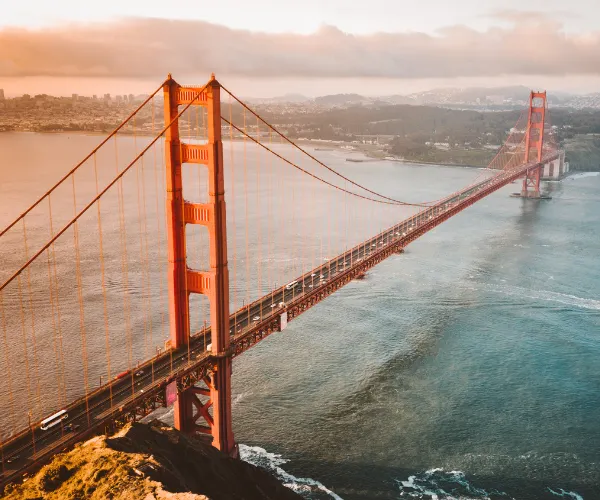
(213, 283)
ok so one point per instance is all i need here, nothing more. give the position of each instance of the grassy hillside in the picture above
(148, 462)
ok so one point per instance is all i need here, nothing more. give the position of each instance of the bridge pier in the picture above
(531, 184)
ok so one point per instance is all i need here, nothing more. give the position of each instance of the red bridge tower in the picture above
(534, 139)
(214, 283)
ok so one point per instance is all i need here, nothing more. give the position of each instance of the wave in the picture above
(565, 494)
(237, 399)
(272, 462)
(547, 295)
(438, 484)
(583, 175)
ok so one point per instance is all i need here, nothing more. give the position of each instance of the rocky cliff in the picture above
(148, 462)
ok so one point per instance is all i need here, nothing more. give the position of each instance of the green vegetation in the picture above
(583, 152)
(463, 136)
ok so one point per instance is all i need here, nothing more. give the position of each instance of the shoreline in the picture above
(371, 156)
(315, 143)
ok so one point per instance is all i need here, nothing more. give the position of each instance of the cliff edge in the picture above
(148, 462)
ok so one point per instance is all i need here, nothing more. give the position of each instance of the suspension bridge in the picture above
(120, 296)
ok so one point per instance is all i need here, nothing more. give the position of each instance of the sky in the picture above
(314, 47)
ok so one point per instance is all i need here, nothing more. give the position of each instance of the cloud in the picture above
(531, 16)
(151, 48)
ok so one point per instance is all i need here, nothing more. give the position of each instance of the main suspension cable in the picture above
(76, 167)
(306, 171)
(360, 186)
(110, 185)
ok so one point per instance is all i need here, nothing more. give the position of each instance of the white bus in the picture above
(53, 420)
(291, 285)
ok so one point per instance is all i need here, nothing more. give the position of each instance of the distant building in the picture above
(495, 99)
(1, 94)
(95, 97)
(131, 97)
(74, 97)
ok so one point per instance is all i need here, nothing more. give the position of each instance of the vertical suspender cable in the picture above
(57, 296)
(234, 249)
(269, 195)
(11, 399)
(148, 305)
(53, 299)
(81, 308)
(24, 337)
(161, 286)
(248, 278)
(258, 220)
(32, 314)
(54, 331)
(124, 269)
(201, 199)
(282, 238)
(141, 243)
(103, 279)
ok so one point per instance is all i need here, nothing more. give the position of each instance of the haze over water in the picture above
(465, 368)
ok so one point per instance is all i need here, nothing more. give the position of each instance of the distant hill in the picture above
(473, 95)
(476, 98)
(341, 100)
(286, 98)
(397, 99)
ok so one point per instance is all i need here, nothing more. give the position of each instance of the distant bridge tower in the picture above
(534, 140)
(214, 283)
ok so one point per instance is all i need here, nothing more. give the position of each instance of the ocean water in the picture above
(466, 368)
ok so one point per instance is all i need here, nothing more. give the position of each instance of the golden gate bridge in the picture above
(105, 270)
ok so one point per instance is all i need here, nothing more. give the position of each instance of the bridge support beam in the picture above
(194, 403)
(534, 140)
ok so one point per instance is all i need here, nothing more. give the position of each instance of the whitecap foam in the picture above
(565, 494)
(528, 293)
(273, 462)
(431, 483)
(237, 399)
